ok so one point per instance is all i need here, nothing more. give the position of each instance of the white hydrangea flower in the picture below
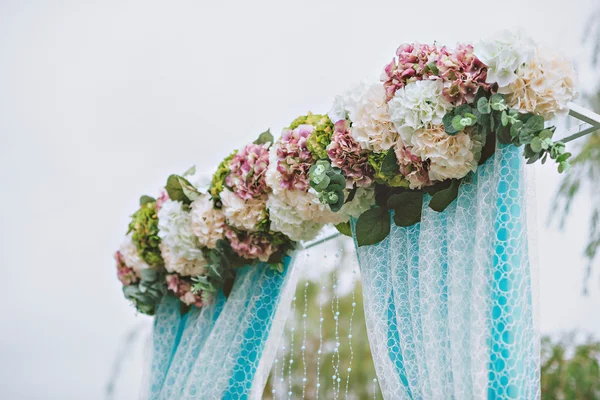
(206, 221)
(347, 102)
(242, 214)
(131, 256)
(544, 86)
(418, 105)
(338, 110)
(503, 55)
(450, 156)
(183, 266)
(289, 221)
(371, 124)
(175, 231)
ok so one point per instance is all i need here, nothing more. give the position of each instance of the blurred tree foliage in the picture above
(585, 166)
(362, 374)
(570, 371)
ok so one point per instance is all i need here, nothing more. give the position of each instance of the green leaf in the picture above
(483, 106)
(190, 171)
(407, 207)
(563, 166)
(148, 274)
(322, 184)
(457, 123)
(174, 189)
(515, 129)
(443, 198)
(463, 109)
(504, 118)
(336, 182)
(497, 102)
(488, 148)
(472, 119)
(188, 189)
(351, 194)
(481, 92)
(389, 166)
(546, 134)
(433, 68)
(503, 134)
(265, 137)
(535, 123)
(344, 228)
(146, 199)
(335, 207)
(563, 157)
(372, 226)
(536, 144)
(447, 120)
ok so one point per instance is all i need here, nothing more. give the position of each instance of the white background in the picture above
(101, 100)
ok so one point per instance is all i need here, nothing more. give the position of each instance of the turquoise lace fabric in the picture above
(197, 329)
(216, 352)
(168, 326)
(448, 302)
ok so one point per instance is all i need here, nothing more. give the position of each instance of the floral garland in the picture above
(433, 118)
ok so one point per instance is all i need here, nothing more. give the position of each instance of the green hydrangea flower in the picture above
(218, 180)
(318, 141)
(144, 225)
(381, 177)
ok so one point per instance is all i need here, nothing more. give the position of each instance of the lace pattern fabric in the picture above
(165, 337)
(197, 330)
(217, 352)
(448, 301)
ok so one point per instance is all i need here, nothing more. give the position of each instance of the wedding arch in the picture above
(425, 170)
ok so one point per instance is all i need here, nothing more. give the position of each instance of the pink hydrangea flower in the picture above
(463, 74)
(293, 158)
(412, 167)
(183, 290)
(161, 200)
(125, 274)
(250, 245)
(346, 154)
(409, 66)
(248, 168)
(173, 283)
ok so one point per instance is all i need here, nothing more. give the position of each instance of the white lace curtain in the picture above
(448, 302)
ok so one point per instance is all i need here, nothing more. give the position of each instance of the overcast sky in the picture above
(101, 100)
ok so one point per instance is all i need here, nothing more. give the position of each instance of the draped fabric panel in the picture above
(228, 363)
(166, 333)
(195, 333)
(448, 301)
(216, 352)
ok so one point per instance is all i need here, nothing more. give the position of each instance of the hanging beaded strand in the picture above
(303, 348)
(291, 347)
(350, 332)
(320, 350)
(335, 359)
